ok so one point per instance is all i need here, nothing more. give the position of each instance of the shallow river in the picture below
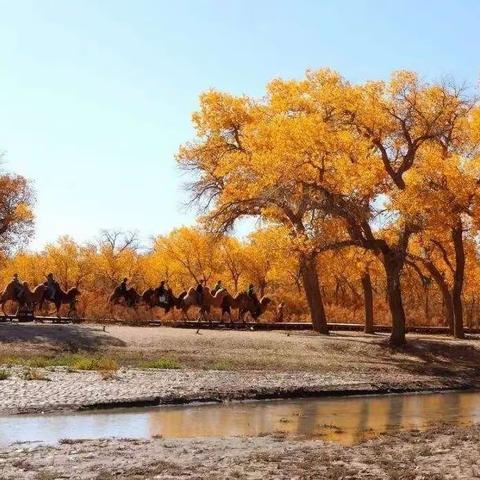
(345, 420)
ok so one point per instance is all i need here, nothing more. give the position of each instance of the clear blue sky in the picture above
(96, 96)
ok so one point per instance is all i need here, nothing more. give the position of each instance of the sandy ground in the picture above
(442, 453)
(222, 365)
(280, 351)
(63, 390)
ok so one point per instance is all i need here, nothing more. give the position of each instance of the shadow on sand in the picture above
(435, 357)
(65, 337)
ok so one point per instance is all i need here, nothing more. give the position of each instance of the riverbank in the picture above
(49, 368)
(444, 452)
(57, 389)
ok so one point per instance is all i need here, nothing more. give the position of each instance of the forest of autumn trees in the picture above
(367, 195)
(370, 166)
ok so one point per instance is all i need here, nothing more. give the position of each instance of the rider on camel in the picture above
(52, 286)
(18, 288)
(251, 294)
(199, 290)
(123, 286)
(161, 291)
(218, 286)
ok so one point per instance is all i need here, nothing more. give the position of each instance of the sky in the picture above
(97, 95)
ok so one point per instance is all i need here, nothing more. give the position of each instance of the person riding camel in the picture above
(123, 287)
(199, 290)
(161, 291)
(218, 286)
(251, 294)
(251, 291)
(18, 287)
(52, 287)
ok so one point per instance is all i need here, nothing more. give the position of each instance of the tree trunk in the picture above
(308, 265)
(446, 295)
(393, 264)
(426, 288)
(457, 237)
(368, 300)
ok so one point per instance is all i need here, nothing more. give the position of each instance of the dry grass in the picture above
(34, 374)
(162, 363)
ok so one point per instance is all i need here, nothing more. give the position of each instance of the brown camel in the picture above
(190, 298)
(9, 295)
(35, 297)
(152, 299)
(131, 297)
(62, 298)
(28, 298)
(245, 305)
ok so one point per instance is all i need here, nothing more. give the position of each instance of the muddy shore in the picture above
(445, 452)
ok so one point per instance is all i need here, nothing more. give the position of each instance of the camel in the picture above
(35, 297)
(244, 304)
(131, 297)
(29, 298)
(152, 300)
(61, 298)
(190, 298)
(9, 295)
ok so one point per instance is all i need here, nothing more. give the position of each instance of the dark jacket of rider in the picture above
(199, 291)
(123, 286)
(161, 289)
(17, 287)
(251, 292)
(52, 286)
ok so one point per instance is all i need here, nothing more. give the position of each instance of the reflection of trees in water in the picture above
(395, 412)
(449, 409)
(346, 420)
(363, 419)
(223, 420)
(336, 420)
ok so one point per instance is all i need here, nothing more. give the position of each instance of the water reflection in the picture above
(344, 420)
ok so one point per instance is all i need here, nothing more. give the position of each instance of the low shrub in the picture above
(94, 363)
(34, 374)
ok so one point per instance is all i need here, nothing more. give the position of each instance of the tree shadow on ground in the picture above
(62, 337)
(435, 357)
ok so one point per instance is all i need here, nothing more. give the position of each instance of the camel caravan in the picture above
(246, 303)
(43, 294)
(205, 300)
